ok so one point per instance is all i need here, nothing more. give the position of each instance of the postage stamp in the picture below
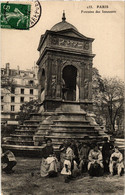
(20, 16)
(15, 16)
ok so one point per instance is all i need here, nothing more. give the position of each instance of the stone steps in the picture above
(32, 121)
(68, 122)
(55, 125)
(72, 126)
(25, 132)
(21, 137)
(56, 143)
(67, 133)
(59, 140)
(120, 143)
(35, 116)
(21, 142)
(33, 130)
(70, 137)
(26, 148)
(30, 126)
(73, 133)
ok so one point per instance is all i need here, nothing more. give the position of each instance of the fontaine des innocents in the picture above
(64, 93)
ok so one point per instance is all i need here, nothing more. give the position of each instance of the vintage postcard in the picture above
(62, 97)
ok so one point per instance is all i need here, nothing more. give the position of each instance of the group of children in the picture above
(79, 158)
(74, 159)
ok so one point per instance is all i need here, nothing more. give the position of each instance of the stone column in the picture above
(59, 80)
(78, 86)
(86, 81)
(39, 75)
(81, 80)
(49, 78)
(54, 79)
(90, 81)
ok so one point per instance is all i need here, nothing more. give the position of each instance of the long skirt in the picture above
(48, 167)
(116, 167)
(70, 168)
(95, 169)
(66, 168)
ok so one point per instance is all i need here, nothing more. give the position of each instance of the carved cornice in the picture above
(66, 51)
(60, 33)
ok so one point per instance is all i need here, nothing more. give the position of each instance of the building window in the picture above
(12, 99)
(31, 91)
(13, 90)
(21, 99)
(2, 72)
(1, 107)
(2, 99)
(12, 108)
(31, 82)
(31, 98)
(22, 91)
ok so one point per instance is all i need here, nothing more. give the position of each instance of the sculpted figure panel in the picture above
(53, 85)
(41, 82)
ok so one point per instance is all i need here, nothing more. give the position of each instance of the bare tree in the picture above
(112, 99)
(97, 90)
(108, 96)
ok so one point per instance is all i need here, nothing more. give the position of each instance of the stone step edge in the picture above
(28, 130)
(63, 113)
(69, 131)
(21, 147)
(65, 137)
(14, 135)
(71, 121)
(118, 139)
(73, 126)
(12, 140)
(66, 134)
(29, 125)
(31, 120)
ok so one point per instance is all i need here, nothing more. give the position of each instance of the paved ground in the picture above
(26, 180)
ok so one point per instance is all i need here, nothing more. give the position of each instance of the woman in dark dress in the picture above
(95, 165)
(8, 161)
(49, 161)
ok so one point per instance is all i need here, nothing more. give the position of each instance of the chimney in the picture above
(18, 70)
(7, 68)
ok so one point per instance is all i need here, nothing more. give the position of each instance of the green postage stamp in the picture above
(15, 16)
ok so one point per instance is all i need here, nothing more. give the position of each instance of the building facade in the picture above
(17, 87)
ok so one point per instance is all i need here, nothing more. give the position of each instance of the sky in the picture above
(19, 47)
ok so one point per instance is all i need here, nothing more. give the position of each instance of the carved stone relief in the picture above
(54, 40)
(86, 88)
(41, 82)
(53, 85)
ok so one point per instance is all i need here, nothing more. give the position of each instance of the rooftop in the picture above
(63, 25)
